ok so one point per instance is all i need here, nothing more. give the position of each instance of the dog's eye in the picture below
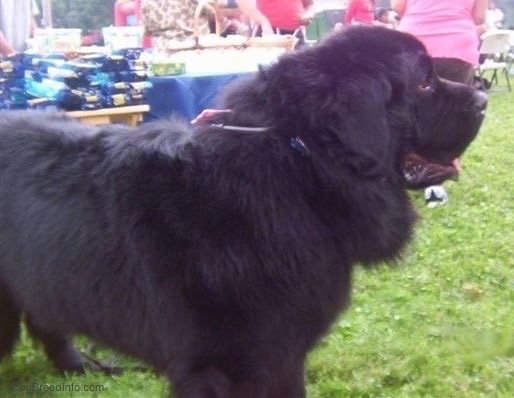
(424, 86)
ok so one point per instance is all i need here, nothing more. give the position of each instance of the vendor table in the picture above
(129, 115)
(185, 95)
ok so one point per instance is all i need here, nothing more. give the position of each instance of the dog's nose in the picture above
(480, 100)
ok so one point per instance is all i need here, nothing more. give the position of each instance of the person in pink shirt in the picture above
(360, 12)
(448, 29)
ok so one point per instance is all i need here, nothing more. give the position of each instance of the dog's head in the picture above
(365, 95)
(449, 116)
(350, 97)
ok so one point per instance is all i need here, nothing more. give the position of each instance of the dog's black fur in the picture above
(219, 257)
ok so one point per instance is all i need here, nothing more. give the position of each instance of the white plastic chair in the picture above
(495, 48)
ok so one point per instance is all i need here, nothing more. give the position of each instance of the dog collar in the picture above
(242, 129)
(298, 145)
(295, 143)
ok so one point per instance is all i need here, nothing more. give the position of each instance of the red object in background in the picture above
(123, 9)
(92, 38)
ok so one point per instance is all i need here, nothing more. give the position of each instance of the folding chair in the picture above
(495, 49)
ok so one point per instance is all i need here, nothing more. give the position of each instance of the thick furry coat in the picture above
(216, 255)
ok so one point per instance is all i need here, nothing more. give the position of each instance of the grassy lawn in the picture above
(439, 324)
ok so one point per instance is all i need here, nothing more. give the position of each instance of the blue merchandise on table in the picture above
(12, 84)
(84, 83)
(37, 86)
(86, 100)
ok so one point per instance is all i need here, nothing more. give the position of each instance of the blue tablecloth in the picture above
(185, 95)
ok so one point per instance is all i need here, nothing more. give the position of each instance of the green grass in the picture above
(439, 324)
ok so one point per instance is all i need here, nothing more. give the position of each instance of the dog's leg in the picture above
(59, 349)
(291, 383)
(204, 383)
(9, 323)
(66, 358)
(212, 383)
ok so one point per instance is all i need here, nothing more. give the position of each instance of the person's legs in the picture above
(16, 22)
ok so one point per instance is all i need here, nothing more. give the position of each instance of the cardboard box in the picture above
(119, 37)
(57, 40)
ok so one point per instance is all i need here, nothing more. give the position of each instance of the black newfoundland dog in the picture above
(220, 254)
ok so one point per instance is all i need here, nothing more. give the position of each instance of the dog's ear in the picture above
(356, 114)
(344, 113)
(360, 120)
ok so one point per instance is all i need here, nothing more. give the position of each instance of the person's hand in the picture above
(266, 28)
(306, 18)
(481, 29)
(208, 115)
(456, 164)
(338, 26)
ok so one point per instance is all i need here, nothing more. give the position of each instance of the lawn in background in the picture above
(438, 324)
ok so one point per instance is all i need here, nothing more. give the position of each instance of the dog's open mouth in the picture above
(420, 173)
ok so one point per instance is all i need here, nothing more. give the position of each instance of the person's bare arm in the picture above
(249, 9)
(309, 10)
(399, 6)
(5, 47)
(479, 11)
